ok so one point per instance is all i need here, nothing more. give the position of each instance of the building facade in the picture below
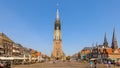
(6, 45)
(16, 50)
(9, 50)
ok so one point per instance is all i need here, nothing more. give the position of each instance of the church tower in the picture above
(114, 42)
(105, 44)
(57, 53)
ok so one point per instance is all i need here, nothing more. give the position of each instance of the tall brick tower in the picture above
(57, 53)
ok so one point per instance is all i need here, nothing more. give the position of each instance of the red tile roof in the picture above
(85, 52)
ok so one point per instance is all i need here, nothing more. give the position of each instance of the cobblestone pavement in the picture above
(61, 65)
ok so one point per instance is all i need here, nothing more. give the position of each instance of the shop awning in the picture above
(19, 58)
(93, 59)
(113, 56)
(6, 58)
(34, 58)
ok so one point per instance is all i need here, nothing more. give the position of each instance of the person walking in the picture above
(1, 64)
(95, 64)
(109, 64)
(114, 63)
(91, 64)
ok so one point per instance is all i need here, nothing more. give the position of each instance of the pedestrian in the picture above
(1, 64)
(114, 63)
(91, 63)
(109, 64)
(95, 64)
(53, 61)
(8, 64)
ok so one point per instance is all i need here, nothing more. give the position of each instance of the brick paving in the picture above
(61, 65)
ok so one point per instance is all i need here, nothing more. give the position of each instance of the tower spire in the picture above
(114, 36)
(114, 40)
(105, 44)
(105, 38)
(57, 13)
(57, 21)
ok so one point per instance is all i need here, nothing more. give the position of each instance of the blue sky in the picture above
(84, 22)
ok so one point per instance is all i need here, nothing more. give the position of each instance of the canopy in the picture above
(93, 59)
(18, 58)
(11, 58)
(6, 58)
(114, 56)
(34, 58)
